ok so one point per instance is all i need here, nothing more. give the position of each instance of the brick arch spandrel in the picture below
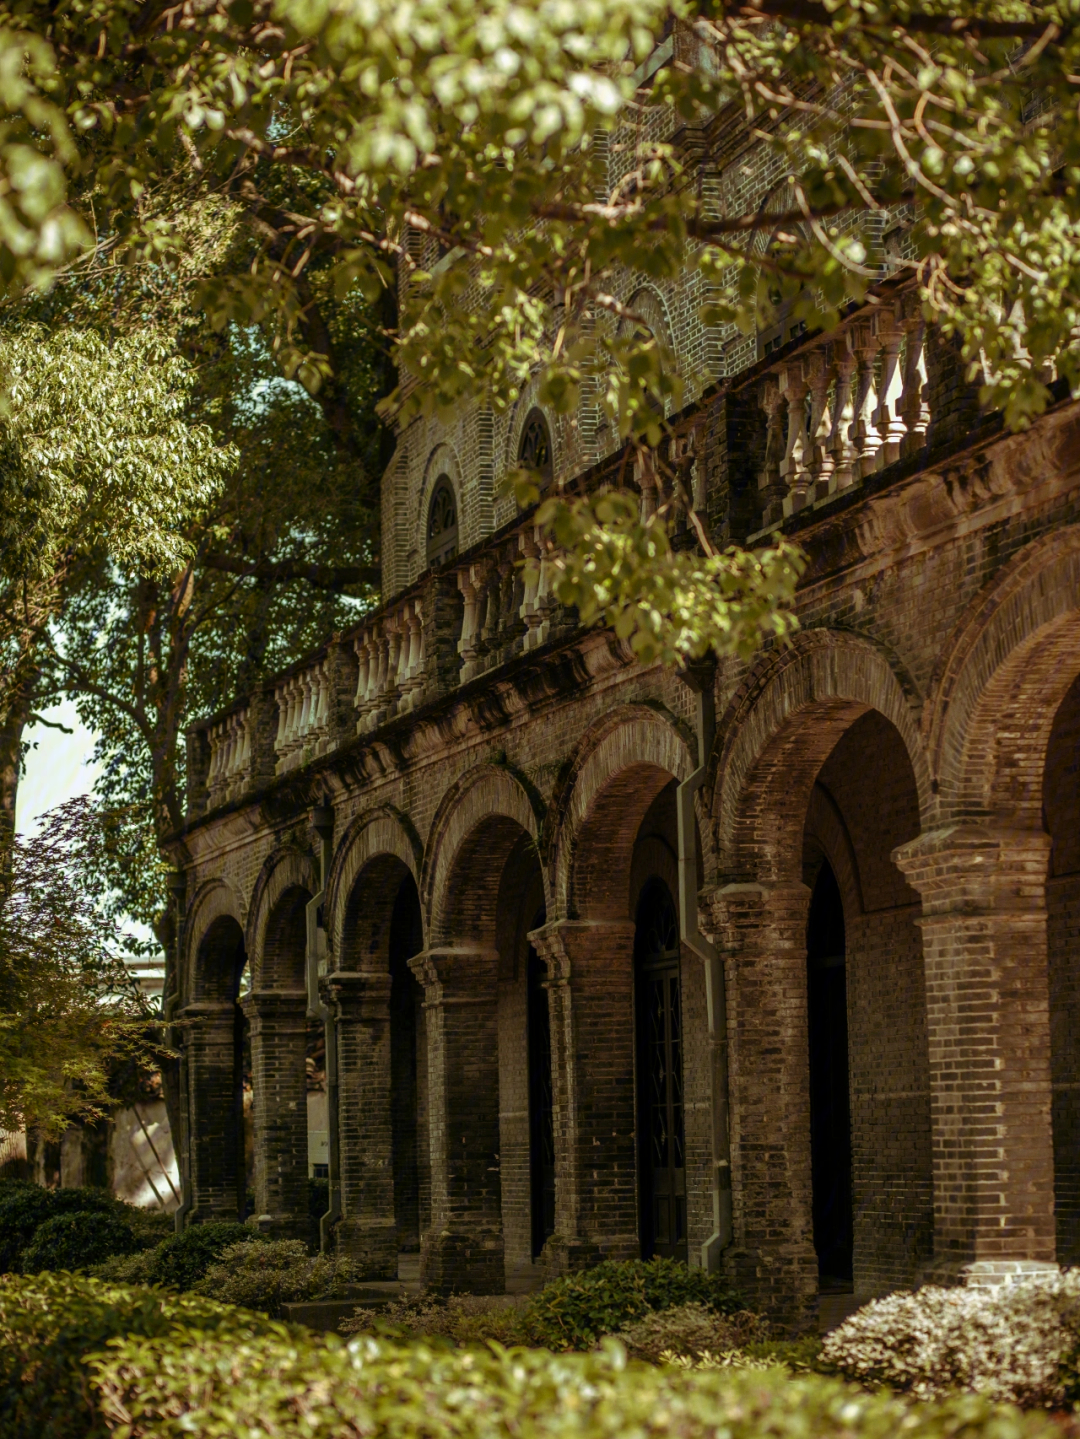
(613, 781)
(1000, 683)
(212, 944)
(379, 834)
(478, 823)
(287, 881)
(778, 731)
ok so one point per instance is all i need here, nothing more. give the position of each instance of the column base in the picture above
(986, 1273)
(371, 1244)
(282, 1226)
(471, 1263)
(562, 1255)
(785, 1287)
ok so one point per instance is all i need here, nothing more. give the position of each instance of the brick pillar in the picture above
(463, 1249)
(215, 1121)
(278, 1019)
(983, 893)
(590, 983)
(367, 1231)
(762, 932)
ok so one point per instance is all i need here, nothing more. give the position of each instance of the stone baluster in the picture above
(545, 598)
(794, 470)
(467, 644)
(913, 405)
(841, 447)
(509, 623)
(307, 707)
(283, 721)
(773, 489)
(414, 678)
(363, 670)
(530, 575)
(864, 431)
(490, 625)
(647, 481)
(819, 374)
(213, 779)
(380, 678)
(888, 419)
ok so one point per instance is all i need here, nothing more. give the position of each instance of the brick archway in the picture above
(383, 836)
(211, 941)
(777, 732)
(616, 772)
(287, 879)
(999, 685)
(482, 815)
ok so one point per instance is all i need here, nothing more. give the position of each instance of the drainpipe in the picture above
(322, 819)
(701, 681)
(182, 1141)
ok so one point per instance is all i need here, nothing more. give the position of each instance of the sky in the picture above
(59, 767)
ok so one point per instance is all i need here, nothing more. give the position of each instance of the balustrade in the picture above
(391, 656)
(230, 756)
(848, 404)
(303, 731)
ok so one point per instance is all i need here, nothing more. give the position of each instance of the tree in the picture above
(95, 454)
(69, 1010)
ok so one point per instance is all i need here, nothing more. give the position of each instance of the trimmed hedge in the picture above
(276, 1387)
(573, 1311)
(49, 1324)
(266, 1276)
(71, 1241)
(180, 1261)
(25, 1207)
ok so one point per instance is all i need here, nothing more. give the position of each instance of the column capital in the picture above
(456, 974)
(269, 1004)
(353, 990)
(977, 869)
(556, 943)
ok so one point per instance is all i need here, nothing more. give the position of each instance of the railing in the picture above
(391, 656)
(230, 756)
(846, 405)
(303, 706)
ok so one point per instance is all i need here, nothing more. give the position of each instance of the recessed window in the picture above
(442, 528)
(535, 450)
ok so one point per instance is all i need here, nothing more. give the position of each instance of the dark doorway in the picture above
(661, 1137)
(406, 940)
(541, 1112)
(830, 1110)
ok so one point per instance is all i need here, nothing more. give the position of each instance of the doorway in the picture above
(830, 1107)
(661, 1132)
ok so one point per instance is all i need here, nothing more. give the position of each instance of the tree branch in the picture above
(325, 577)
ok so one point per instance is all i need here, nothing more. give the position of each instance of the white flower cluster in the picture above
(1015, 1343)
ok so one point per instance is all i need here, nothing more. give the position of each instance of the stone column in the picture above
(367, 1231)
(463, 1249)
(983, 893)
(761, 929)
(215, 1116)
(278, 1019)
(590, 983)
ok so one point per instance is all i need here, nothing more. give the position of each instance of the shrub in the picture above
(180, 1262)
(70, 1241)
(573, 1311)
(690, 1331)
(50, 1322)
(320, 1388)
(24, 1207)
(1017, 1342)
(461, 1319)
(266, 1276)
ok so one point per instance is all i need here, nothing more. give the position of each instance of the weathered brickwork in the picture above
(509, 785)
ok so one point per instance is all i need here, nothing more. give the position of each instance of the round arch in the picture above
(204, 978)
(375, 833)
(442, 465)
(779, 729)
(1013, 657)
(488, 796)
(627, 759)
(286, 873)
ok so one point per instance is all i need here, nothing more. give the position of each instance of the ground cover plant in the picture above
(269, 1275)
(1019, 1343)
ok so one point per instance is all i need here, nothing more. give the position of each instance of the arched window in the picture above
(442, 527)
(534, 452)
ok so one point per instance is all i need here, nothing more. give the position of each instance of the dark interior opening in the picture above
(830, 1109)
(541, 1111)
(406, 940)
(661, 1136)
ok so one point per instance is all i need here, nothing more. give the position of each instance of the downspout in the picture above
(323, 821)
(182, 1142)
(715, 991)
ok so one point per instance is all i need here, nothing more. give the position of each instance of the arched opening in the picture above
(442, 525)
(830, 1100)
(412, 1197)
(217, 1050)
(534, 451)
(661, 1106)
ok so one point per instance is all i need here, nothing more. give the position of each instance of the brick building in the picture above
(773, 967)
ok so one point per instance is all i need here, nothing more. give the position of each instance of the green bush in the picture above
(181, 1261)
(25, 1207)
(50, 1322)
(266, 1276)
(460, 1319)
(71, 1241)
(1019, 1343)
(277, 1387)
(572, 1312)
(690, 1331)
